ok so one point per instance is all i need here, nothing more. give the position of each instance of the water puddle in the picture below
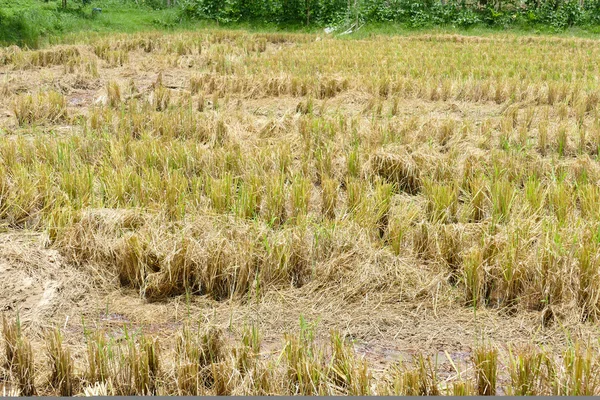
(114, 318)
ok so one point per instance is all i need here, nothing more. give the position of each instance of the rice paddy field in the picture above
(224, 212)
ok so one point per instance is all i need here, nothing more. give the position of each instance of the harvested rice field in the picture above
(224, 212)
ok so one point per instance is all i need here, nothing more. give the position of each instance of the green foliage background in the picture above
(556, 14)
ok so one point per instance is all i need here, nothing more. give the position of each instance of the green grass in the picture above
(35, 23)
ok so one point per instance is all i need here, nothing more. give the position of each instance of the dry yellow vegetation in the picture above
(432, 200)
